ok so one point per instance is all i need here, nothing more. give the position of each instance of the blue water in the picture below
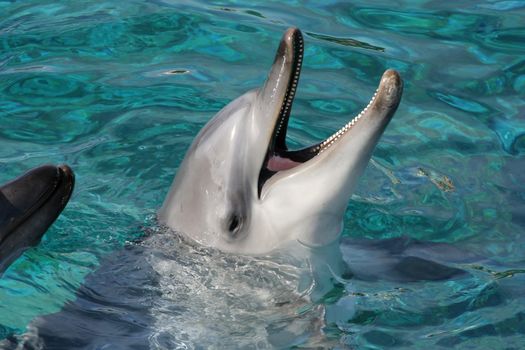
(118, 89)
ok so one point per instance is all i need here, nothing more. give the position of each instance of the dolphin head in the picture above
(239, 187)
(28, 206)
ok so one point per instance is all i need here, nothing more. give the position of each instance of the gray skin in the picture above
(29, 205)
(241, 190)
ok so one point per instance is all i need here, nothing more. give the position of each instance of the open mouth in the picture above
(278, 157)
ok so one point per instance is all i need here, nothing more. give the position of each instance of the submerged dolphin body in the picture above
(240, 189)
(28, 206)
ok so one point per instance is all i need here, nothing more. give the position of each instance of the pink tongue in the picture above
(276, 163)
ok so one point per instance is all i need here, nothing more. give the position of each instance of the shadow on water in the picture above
(345, 41)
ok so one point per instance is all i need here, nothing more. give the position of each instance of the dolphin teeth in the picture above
(337, 135)
(292, 87)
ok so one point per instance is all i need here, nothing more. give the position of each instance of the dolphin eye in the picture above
(234, 225)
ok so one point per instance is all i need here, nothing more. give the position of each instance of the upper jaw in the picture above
(290, 49)
(278, 94)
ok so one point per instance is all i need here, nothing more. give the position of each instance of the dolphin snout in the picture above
(287, 48)
(389, 91)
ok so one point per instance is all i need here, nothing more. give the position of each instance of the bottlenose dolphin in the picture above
(28, 206)
(240, 189)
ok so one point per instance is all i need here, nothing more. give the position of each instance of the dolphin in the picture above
(241, 190)
(29, 204)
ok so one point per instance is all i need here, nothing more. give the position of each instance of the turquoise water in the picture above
(118, 90)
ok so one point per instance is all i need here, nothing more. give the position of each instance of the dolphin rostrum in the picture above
(240, 189)
(28, 206)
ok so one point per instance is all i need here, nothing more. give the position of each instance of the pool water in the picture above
(118, 90)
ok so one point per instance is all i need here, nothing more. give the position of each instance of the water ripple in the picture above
(119, 90)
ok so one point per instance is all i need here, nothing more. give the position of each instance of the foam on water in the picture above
(214, 300)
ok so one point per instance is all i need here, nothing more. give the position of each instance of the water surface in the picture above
(119, 89)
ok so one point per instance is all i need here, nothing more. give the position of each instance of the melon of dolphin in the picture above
(240, 189)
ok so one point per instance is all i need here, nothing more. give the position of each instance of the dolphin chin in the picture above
(28, 206)
(239, 187)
